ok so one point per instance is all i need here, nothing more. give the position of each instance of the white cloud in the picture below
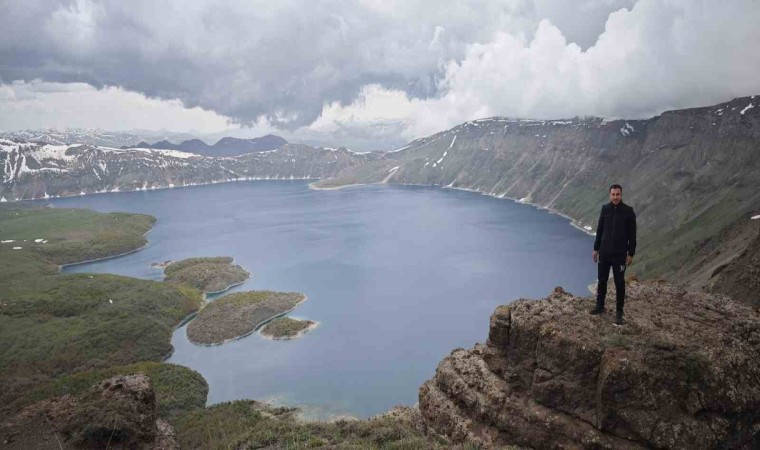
(39, 104)
(661, 54)
(283, 60)
(368, 70)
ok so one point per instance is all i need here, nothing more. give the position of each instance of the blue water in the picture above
(396, 276)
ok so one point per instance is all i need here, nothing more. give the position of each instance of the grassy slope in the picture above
(178, 389)
(249, 424)
(53, 324)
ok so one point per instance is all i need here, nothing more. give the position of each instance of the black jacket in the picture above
(616, 232)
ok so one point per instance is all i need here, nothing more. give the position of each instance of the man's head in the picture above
(616, 194)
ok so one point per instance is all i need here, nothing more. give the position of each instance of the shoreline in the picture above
(206, 294)
(314, 324)
(575, 223)
(61, 267)
(256, 327)
(158, 188)
(335, 188)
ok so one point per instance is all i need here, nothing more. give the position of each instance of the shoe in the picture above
(596, 311)
(619, 319)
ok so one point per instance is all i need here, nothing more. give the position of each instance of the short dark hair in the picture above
(616, 186)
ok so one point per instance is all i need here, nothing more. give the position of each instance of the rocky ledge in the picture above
(684, 372)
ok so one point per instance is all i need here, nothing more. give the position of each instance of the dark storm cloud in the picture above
(281, 60)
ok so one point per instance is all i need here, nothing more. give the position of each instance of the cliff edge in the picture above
(684, 372)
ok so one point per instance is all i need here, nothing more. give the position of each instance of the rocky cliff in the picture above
(689, 173)
(683, 373)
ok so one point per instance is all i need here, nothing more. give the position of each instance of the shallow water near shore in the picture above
(397, 277)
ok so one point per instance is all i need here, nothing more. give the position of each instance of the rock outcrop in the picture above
(684, 372)
(119, 412)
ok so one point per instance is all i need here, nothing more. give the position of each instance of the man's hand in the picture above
(628, 260)
(595, 255)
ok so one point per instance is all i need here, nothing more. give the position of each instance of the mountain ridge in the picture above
(226, 146)
(688, 173)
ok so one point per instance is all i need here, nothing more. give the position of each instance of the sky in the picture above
(369, 74)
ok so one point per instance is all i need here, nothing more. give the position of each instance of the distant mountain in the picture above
(230, 146)
(227, 146)
(691, 175)
(33, 170)
(90, 136)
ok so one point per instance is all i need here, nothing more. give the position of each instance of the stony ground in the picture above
(684, 372)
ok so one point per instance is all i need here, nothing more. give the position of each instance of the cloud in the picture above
(37, 104)
(659, 55)
(245, 59)
(377, 70)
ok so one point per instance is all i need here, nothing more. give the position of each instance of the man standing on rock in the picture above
(614, 246)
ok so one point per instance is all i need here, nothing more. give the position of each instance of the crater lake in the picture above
(396, 276)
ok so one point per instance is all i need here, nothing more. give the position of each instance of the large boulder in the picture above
(683, 373)
(119, 412)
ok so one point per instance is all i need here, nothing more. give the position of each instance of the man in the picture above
(614, 246)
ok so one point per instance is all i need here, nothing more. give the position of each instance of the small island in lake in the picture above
(284, 328)
(239, 314)
(208, 275)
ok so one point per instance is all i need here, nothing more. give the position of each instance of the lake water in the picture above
(397, 277)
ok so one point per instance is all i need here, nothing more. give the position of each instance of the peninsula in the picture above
(208, 275)
(239, 314)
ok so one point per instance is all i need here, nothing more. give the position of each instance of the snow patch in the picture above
(452, 141)
(17, 248)
(746, 108)
(7, 241)
(753, 218)
(627, 129)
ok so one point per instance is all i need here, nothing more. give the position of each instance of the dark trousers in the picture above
(618, 273)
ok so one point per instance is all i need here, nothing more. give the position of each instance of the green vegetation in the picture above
(286, 328)
(209, 275)
(249, 424)
(617, 340)
(55, 324)
(73, 235)
(178, 389)
(695, 366)
(239, 314)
